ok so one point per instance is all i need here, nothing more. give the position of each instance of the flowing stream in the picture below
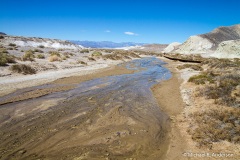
(113, 117)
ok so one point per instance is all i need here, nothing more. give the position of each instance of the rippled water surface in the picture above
(112, 117)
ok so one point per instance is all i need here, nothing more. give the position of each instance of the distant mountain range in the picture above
(105, 44)
(1, 33)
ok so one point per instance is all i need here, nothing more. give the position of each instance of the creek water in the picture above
(112, 117)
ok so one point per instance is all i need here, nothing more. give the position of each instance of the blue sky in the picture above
(149, 21)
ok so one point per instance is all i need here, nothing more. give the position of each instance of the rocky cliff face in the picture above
(222, 42)
(35, 42)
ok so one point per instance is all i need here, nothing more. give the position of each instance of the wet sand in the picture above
(64, 84)
(168, 96)
(119, 124)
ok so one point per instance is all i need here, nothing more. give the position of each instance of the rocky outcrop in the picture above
(222, 42)
(228, 49)
(35, 42)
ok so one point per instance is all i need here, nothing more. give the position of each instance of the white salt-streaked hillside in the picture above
(35, 42)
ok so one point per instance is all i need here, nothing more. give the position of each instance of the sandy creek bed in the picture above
(114, 117)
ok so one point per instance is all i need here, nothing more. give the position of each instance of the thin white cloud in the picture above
(131, 33)
(107, 31)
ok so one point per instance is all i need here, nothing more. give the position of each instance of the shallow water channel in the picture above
(114, 117)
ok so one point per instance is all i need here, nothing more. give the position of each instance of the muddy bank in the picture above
(63, 84)
(168, 96)
(113, 117)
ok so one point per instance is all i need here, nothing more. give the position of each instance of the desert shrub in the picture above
(22, 68)
(12, 45)
(54, 58)
(40, 56)
(28, 56)
(68, 54)
(61, 49)
(222, 91)
(52, 53)
(134, 55)
(192, 66)
(91, 59)
(10, 48)
(38, 50)
(3, 50)
(203, 78)
(127, 57)
(41, 46)
(96, 53)
(1, 37)
(222, 63)
(216, 125)
(6, 58)
(81, 62)
(84, 51)
(65, 57)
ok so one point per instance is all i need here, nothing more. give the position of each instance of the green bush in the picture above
(22, 68)
(28, 56)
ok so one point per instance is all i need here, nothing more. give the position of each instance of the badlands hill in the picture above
(37, 41)
(222, 42)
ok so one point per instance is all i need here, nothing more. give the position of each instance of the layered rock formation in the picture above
(222, 42)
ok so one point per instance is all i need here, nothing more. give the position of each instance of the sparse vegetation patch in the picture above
(216, 125)
(12, 45)
(28, 56)
(54, 58)
(96, 54)
(22, 68)
(5, 57)
(192, 66)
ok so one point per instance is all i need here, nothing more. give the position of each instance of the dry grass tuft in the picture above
(54, 58)
(5, 57)
(28, 56)
(192, 66)
(216, 125)
(22, 68)
(40, 56)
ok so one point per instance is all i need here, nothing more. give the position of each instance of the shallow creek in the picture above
(115, 117)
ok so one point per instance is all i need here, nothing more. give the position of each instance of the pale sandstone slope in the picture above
(222, 42)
